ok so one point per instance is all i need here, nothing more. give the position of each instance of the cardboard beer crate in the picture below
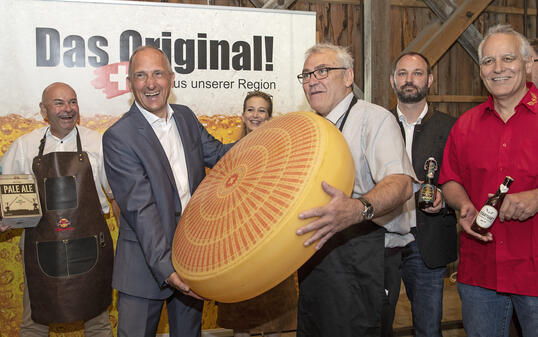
(19, 200)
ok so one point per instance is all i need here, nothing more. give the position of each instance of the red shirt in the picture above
(480, 151)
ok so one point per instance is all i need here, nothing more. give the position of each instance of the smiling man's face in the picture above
(59, 107)
(502, 67)
(323, 95)
(151, 81)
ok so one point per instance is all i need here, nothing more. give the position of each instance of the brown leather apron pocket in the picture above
(67, 257)
(61, 193)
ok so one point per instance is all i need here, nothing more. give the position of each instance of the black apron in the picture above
(341, 287)
(69, 255)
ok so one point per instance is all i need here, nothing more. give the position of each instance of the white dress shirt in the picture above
(409, 130)
(20, 155)
(166, 130)
(376, 144)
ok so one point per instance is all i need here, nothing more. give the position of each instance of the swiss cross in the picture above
(120, 77)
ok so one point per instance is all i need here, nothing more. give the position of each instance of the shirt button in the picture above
(500, 169)
(504, 144)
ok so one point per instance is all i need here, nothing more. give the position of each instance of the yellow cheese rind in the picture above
(210, 220)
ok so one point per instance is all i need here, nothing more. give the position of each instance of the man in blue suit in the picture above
(154, 159)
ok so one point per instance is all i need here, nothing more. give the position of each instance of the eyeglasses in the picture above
(319, 74)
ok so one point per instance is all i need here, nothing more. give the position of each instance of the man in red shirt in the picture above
(498, 271)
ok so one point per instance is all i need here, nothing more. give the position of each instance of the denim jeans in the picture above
(424, 288)
(488, 313)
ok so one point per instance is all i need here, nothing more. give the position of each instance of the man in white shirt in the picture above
(342, 292)
(155, 157)
(425, 131)
(81, 167)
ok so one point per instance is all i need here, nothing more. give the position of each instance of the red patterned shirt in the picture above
(481, 150)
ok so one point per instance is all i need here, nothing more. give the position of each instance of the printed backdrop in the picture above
(218, 55)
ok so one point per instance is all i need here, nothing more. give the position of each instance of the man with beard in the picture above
(425, 131)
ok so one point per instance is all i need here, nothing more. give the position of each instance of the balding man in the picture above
(155, 157)
(68, 255)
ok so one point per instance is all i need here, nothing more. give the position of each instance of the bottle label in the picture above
(486, 216)
(427, 193)
(503, 188)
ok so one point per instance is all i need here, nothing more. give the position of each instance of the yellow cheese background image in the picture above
(236, 238)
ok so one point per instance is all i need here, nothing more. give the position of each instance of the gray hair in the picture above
(342, 53)
(139, 49)
(525, 48)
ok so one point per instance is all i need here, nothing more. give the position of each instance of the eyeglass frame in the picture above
(301, 76)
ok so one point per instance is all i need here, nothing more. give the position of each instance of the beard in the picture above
(418, 95)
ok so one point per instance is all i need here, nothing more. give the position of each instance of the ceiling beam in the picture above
(436, 38)
(470, 38)
(377, 51)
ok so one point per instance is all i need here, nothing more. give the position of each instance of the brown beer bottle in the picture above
(428, 190)
(490, 210)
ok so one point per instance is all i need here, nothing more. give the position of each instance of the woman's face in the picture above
(256, 112)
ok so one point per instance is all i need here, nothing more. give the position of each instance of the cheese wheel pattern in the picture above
(236, 237)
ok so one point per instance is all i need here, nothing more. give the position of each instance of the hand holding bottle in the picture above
(467, 216)
(489, 212)
(519, 206)
(437, 204)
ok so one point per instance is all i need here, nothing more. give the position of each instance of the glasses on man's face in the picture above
(319, 74)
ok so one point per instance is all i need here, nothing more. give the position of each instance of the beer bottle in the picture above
(490, 210)
(428, 190)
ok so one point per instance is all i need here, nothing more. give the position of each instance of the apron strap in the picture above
(344, 118)
(79, 147)
(41, 148)
(80, 154)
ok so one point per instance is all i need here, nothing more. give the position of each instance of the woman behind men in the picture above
(276, 309)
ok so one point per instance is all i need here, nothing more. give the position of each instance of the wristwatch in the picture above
(368, 212)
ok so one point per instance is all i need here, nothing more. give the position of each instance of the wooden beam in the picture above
(257, 3)
(438, 43)
(490, 9)
(470, 38)
(377, 51)
(456, 99)
(278, 4)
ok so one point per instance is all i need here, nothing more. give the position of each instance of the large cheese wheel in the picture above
(236, 238)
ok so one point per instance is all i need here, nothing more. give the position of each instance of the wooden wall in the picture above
(457, 85)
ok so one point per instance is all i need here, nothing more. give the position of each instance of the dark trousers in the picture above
(424, 288)
(341, 287)
(392, 282)
(139, 317)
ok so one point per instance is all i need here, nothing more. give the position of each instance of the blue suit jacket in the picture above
(144, 187)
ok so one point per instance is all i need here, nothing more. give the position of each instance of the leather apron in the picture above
(69, 254)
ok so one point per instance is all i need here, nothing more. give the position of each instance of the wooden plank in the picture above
(377, 51)
(257, 3)
(456, 99)
(470, 38)
(450, 30)
(491, 8)
(278, 4)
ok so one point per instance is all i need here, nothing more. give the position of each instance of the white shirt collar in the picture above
(152, 118)
(70, 135)
(340, 109)
(403, 119)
